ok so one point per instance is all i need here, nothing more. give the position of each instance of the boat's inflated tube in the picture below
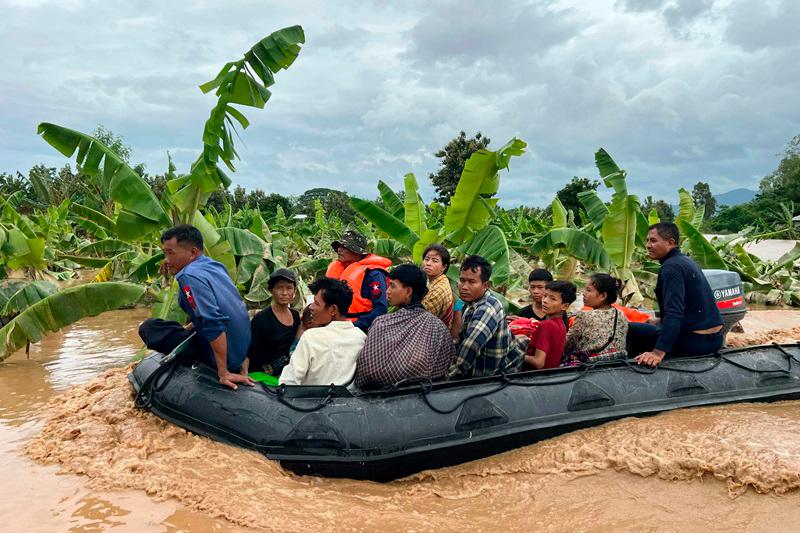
(415, 426)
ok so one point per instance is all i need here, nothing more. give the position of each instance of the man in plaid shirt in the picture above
(485, 344)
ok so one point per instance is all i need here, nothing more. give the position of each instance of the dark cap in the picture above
(353, 241)
(281, 273)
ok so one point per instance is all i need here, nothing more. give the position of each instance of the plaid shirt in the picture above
(439, 299)
(408, 343)
(485, 343)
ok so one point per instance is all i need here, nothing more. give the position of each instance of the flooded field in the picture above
(97, 464)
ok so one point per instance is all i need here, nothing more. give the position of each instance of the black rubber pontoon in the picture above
(390, 434)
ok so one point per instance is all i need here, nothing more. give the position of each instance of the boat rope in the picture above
(787, 370)
(280, 391)
(144, 398)
(427, 387)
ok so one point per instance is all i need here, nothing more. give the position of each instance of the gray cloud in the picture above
(676, 90)
(466, 32)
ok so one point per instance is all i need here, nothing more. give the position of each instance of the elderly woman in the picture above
(599, 334)
(273, 329)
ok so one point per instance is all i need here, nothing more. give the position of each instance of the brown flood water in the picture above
(68, 411)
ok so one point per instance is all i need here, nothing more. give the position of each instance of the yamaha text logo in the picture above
(721, 294)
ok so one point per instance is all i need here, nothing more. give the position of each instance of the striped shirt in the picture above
(439, 300)
(485, 344)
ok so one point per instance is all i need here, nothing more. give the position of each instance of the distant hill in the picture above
(735, 197)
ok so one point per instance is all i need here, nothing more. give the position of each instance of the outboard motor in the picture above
(729, 295)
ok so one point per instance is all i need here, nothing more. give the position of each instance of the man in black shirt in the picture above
(690, 322)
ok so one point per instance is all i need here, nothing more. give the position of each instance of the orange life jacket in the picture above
(353, 275)
(633, 315)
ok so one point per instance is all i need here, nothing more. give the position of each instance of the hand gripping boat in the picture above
(414, 426)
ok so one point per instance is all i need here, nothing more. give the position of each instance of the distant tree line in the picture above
(777, 201)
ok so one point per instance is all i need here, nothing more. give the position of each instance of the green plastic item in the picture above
(264, 378)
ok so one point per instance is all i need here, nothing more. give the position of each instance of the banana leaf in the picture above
(701, 250)
(381, 218)
(619, 229)
(430, 236)
(392, 201)
(258, 287)
(642, 223)
(105, 274)
(559, 214)
(576, 243)
(653, 217)
(608, 168)
(148, 269)
(22, 251)
(105, 247)
(686, 207)
(141, 208)
(91, 228)
(260, 228)
(390, 248)
(242, 82)
(217, 248)
(279, 252)
(94, 216)
(62, 309)
(786, 260)
(471, 205)
(413, 208)
(243, 242)
(490, 243)
(27, 296)
(699, 216)
(596, 210)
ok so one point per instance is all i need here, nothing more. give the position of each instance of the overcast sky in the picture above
(676, 90)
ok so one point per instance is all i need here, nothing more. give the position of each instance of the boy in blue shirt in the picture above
(217, 314)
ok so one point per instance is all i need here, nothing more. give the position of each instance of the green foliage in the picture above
(701, 195)
(62, 309)
(663, 210)
(571, 199)
(471, 207)
(453, 157)
(141, 211)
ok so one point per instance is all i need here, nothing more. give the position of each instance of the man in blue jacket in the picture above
(690, 322)
(217, 314)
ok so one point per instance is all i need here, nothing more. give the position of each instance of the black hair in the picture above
(540, 274)
(604, 283)
(411, 276)
(667, 231)
(567, 289)
(184, 233)
(334, 292)
(442, 251)
(475, 262)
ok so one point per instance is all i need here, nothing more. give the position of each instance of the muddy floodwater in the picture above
(76, 456)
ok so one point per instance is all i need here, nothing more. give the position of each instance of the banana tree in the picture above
(471, 209)
(609, 239)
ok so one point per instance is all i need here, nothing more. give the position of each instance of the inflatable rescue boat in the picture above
(413, 426)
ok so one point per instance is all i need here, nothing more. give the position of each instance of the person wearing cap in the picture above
(273, 329)
(217, 314)
(410, 343)
(365, 273)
